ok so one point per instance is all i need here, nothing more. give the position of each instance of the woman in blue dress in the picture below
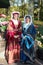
(28, 38)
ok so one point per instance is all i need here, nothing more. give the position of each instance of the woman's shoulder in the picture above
(32, 25)
(19, 20)
(10, 22)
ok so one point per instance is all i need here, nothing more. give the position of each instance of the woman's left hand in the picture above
(20, 29)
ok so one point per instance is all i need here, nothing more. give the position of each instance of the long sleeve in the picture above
(32, 31)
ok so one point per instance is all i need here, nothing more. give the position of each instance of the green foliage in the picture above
(41, 15)
(5, 1)
(39, 30)
(23, 9)
(2, 11)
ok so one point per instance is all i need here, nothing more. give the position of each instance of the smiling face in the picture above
(27, 20)
(15, 16)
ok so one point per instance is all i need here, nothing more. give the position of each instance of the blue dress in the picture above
(28, 37)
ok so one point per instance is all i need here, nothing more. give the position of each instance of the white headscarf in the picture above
(27, 24)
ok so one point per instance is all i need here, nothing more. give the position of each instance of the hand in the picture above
(15, 29)
(20, 29)
(24, 37)
(16, 36)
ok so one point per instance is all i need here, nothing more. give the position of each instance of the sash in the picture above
(27, 40)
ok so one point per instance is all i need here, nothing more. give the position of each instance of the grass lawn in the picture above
(38, 22)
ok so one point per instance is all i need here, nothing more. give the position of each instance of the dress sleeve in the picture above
(10, 32)
(10, 26)
(33, 32)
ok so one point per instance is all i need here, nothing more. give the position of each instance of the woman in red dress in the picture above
(13, 36)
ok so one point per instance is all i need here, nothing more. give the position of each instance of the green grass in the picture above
(38, 22)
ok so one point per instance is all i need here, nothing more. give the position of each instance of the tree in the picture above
(4, 3)
(41, 9)
(12, 2)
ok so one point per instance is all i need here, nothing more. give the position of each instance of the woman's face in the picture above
(15, 16)
(27, 20)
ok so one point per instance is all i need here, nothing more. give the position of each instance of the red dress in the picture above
(13, 43)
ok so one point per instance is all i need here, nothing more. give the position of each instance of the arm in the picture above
(33, 31)
(9, 27)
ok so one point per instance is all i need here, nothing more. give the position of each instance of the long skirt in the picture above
(12, 54)
(25, 57)
(27, 45)
(12, 50)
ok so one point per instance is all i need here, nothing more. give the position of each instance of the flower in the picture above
(42, 37)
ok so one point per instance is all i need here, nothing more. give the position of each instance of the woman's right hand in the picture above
(16, 36)
(15, 29)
